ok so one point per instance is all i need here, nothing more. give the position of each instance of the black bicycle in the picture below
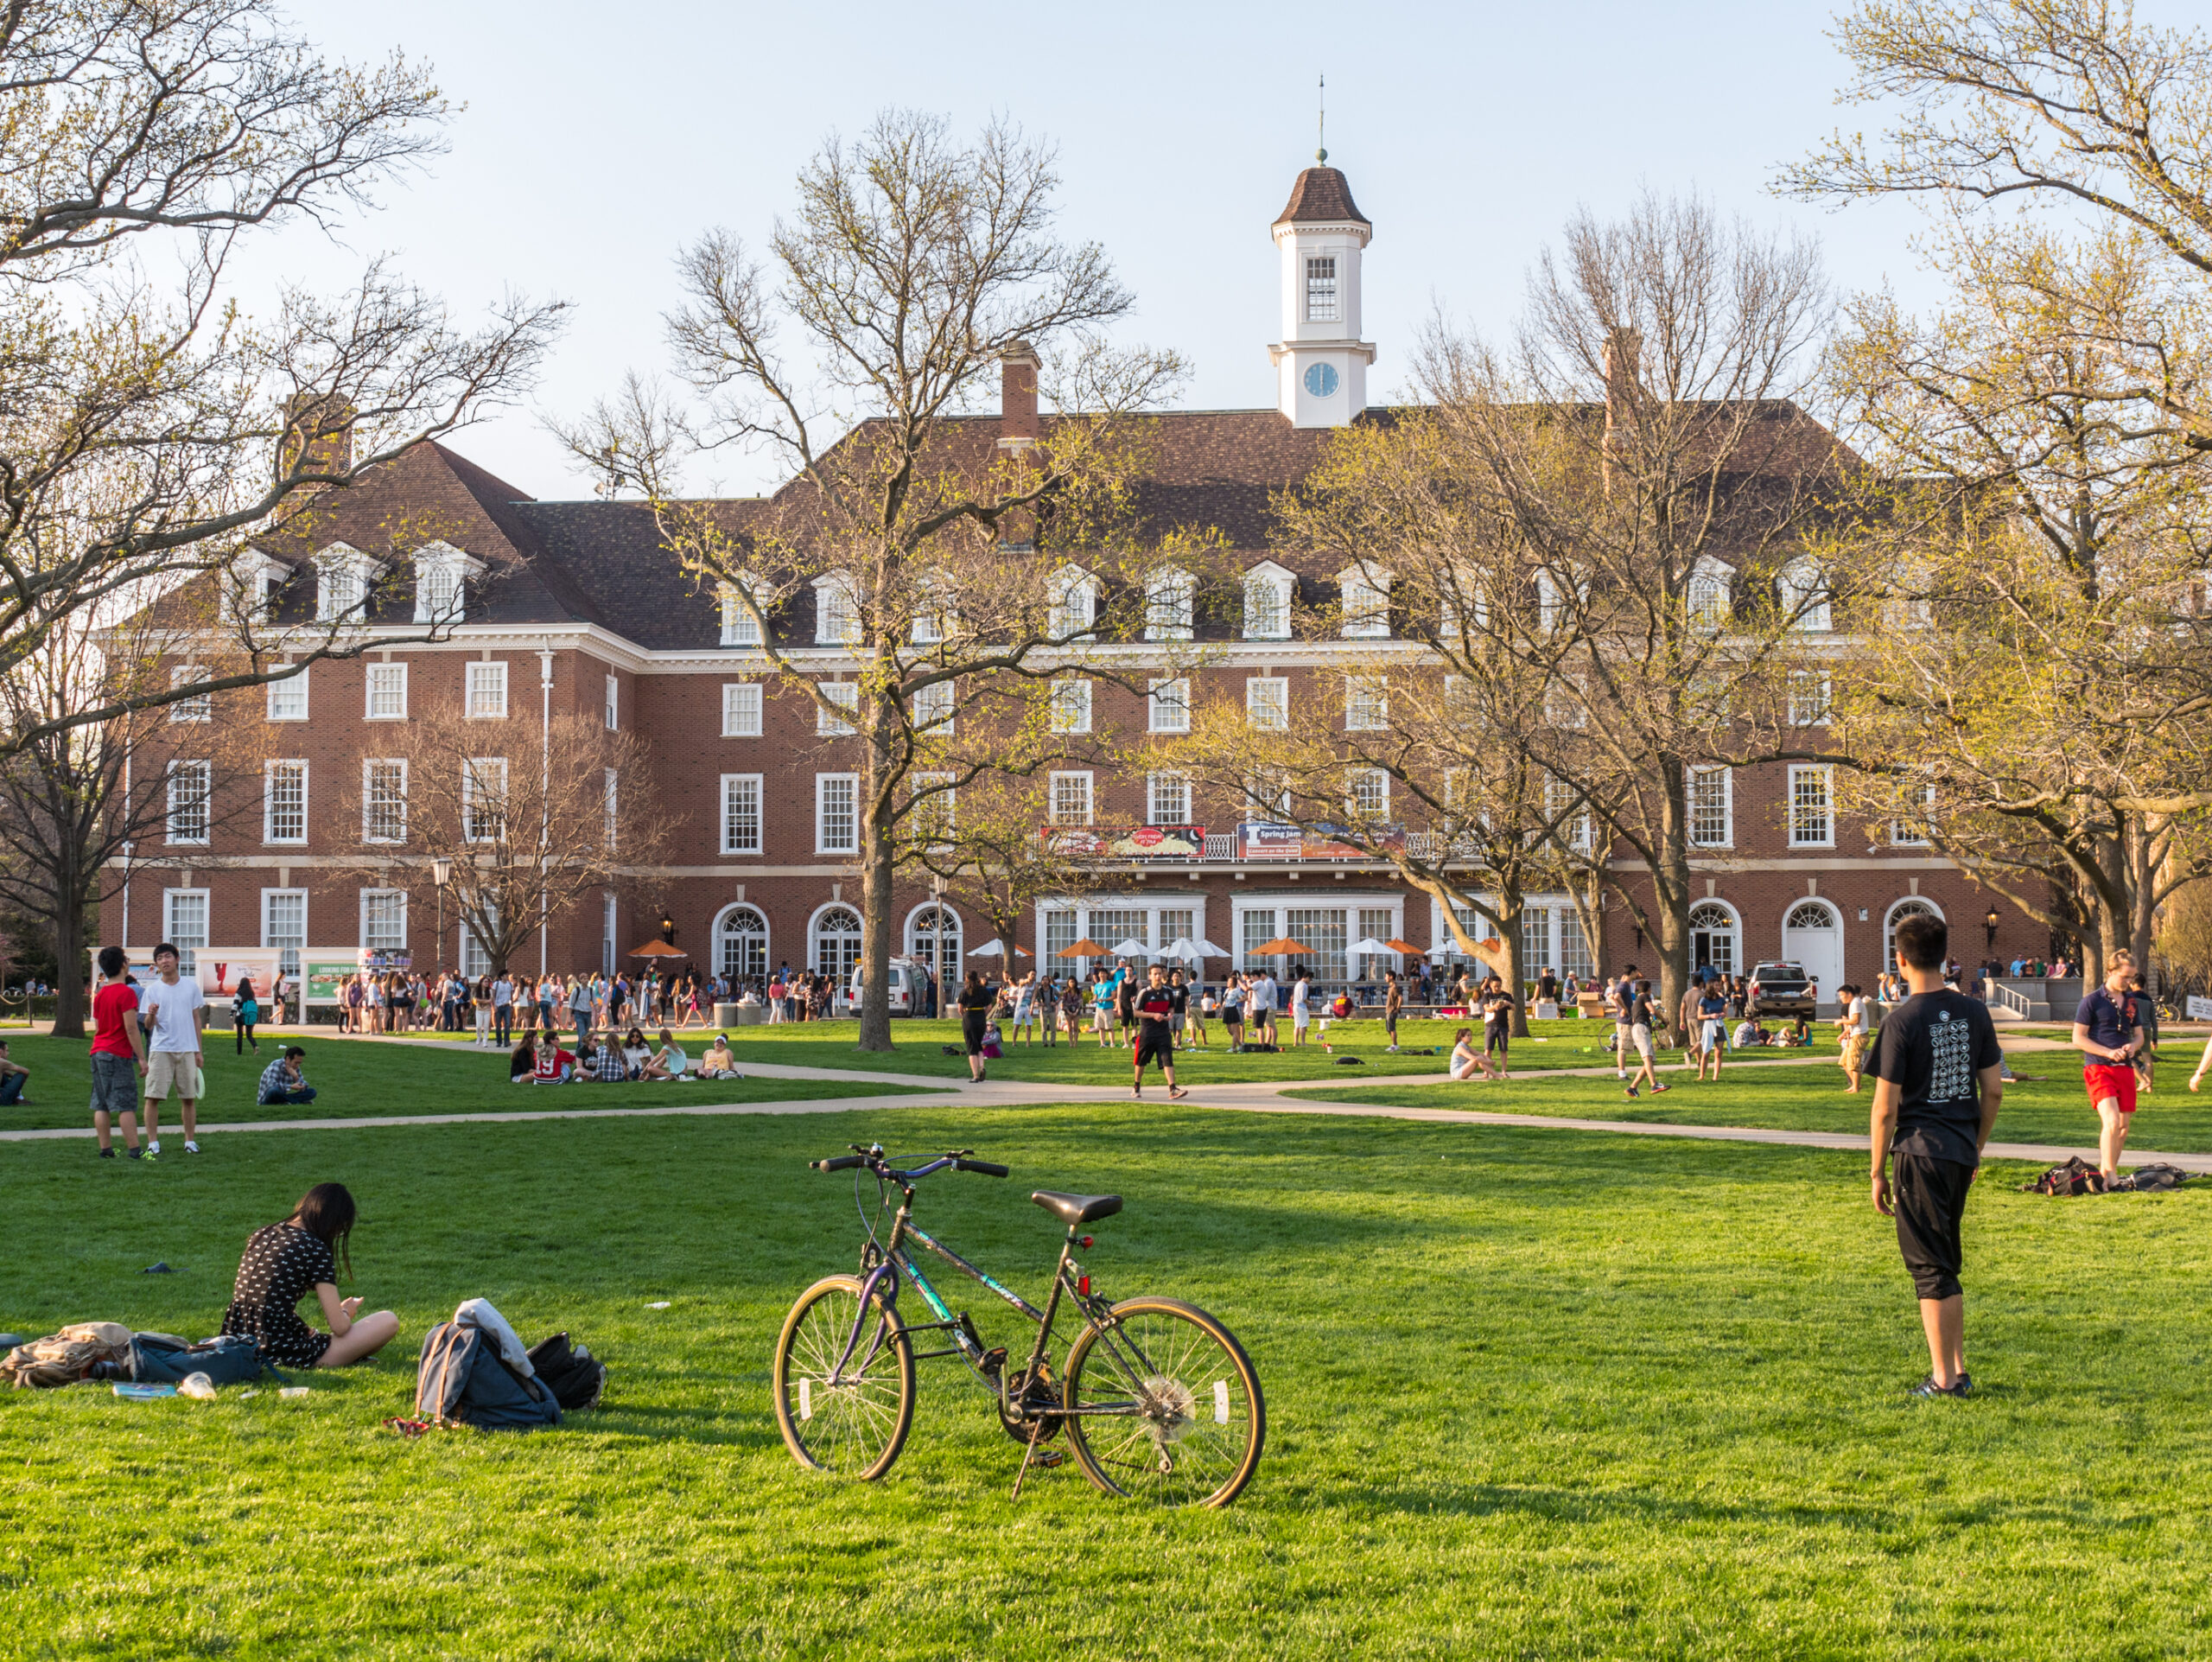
(1157, 1398)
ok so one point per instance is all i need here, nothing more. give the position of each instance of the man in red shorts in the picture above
(2108, 1033)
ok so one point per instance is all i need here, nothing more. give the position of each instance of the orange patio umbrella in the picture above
(660, 949)
(1084, 948)
(1397, 945)
(1280, 944)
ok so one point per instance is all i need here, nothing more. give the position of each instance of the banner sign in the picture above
(382, 960)
(2200, 1009)
(219, 967)
(1184, 843)
(327, 972)
(1257, 840)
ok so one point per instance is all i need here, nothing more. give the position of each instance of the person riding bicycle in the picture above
(1155, 1007)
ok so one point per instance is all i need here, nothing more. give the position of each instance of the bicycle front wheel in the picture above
(844, 1401)
(1163, 1405)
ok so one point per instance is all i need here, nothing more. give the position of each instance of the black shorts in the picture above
(1930, 1197)
(1496, 1039)
(1155, 1044)
(972, 1024)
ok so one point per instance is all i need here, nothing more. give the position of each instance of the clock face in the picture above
(1321, 380)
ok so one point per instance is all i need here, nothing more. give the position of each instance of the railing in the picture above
(2010, 1000)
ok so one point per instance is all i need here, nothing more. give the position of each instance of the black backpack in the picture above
(576, 1378)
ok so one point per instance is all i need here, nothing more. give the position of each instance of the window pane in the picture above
(1267, 702)
(384, 918)
(1321, 288)
(1170, 800)
(837, 818)
(741, 710)
(184, 919)
(1072, 799)
(1170, 706)
(1322, 929)
(741, 813)
(487, 690)
(384, 802)
(288, 699)
(284, 811)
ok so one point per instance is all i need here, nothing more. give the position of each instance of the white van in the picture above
(906, 989)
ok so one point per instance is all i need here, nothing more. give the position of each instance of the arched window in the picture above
(1715, 939)
(1168, 597)
(1708, 595)
(833, 946)
(1268, 592)
(1366, 591)
(1912, 907)
(1074, 600)
(1805, 599)
(741, 943)
(933, 938)
(1812, 935)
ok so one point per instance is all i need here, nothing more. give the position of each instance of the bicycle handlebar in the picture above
(841, 1162)
(983, 1166)
(874, 1160)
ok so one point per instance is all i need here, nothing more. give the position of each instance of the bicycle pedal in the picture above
(1048, 1458)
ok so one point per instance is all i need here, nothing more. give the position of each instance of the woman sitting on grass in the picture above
(669, 1061)
(636, 1052)
(1467, 1062)
(284, 1260)
(522, 1061)
(718, 1063)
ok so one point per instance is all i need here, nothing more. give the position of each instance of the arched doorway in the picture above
(1812, 934)
(741, 945)
(833, 945)
(933, 939)
(1716, 938)
(1912, 907)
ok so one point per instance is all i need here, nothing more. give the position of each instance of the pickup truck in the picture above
(1779, 991)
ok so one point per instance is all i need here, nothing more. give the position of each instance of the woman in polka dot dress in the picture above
(281, 1262)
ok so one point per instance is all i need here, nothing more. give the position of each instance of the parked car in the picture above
(906, 990)
(1780, 992)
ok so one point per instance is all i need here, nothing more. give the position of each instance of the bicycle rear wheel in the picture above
(849, 1421)
(1190, 1421)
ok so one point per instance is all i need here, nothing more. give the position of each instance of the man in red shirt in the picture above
(1155, 1004)
(2108, 1032)
(118, 1052)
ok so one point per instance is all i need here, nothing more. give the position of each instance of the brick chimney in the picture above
(1018, 398)
(1624, 358)
(323, 426)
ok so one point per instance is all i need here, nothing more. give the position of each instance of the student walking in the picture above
(173, 1011)
(976, 1001)
(2108, 1032)
(1642, 1015)
(1851, 1032)
(1394, 1005)
(1620, 992)
(1938, 1082)
(245, 1015)
(1155, 1008)
(1712, 1028)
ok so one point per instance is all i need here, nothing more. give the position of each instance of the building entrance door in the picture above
(1813, 935)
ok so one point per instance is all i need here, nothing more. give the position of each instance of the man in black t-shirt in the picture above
(1155, 1005)
(1939, 1078)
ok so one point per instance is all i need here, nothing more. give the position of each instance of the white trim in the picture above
(362, 920)
(367, 801)
(495, 680)
(1890, 923)
(1728, 805)
(1069, 706)
(820, 781)
(715, 936)
(269, 767)
(1155, 706)
(760, 812)
(1827, 771)
(760, 702)
(370, 674)
(206, 803)
(288, 684)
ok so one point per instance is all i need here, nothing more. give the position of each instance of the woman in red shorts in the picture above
(2109, 1035)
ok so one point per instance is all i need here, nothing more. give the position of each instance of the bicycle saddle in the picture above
(1073, 1209)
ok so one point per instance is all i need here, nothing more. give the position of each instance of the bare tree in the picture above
(533, 816)
(150, 432)
(914, 274)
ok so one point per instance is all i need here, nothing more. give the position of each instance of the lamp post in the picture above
(668, 928)
(442, 874)
(1989, 925)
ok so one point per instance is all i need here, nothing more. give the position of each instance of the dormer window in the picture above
(1321, 288)
(1709, 595)
(1267, 591)
(442, 575)
(1074, 602)
(836, 611)
(1167, 599)
(343, 574)
(254, 580)
(1366, 603)
(740, 626)
(1805, 603)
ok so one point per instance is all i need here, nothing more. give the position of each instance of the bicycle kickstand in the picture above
(1028, 1454)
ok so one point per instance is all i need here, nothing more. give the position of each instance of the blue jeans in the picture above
(11, 1089)
(285, 1098)
(503, 1024)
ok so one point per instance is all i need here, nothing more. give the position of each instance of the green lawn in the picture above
(355, 1076)
(1531, 1394)
(2046, 1106)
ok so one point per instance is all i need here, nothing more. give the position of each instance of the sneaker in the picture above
(109, 1154)
(1136, 1092)
(190, 1147)
(1965, 1386)
(136, 1154)
(153, 1153)
(1928, 1387)
(1632, 1092)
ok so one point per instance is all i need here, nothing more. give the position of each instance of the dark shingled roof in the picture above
(1321, 194)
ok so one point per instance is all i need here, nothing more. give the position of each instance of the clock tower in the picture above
(1321, 362)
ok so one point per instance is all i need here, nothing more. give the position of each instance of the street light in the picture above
(1989, 924)
(668, 928)
(442, 874)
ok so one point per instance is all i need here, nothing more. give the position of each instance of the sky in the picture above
(598, 140)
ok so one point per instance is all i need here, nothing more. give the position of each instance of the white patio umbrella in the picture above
(1371, 945)
(1207, 949)
(1183, 947)
(996, 948)
(1132, 947)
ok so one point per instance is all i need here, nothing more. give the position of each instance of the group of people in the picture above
(540, 1059)
(500, 1006)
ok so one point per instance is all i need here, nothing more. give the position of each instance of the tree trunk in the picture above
(876, 875)
(1510, 910)
(68, 982)
(1670, 893)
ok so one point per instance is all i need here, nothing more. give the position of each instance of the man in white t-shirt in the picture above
(1264, 1007)
(503, 1011)
(1301, 1007)
(172, 1011)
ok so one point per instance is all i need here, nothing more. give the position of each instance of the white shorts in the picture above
(1300, 1020)
(1640, 1037)
(171, 1070)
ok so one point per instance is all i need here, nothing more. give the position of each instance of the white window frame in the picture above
(1811, 694)
(488, 690)
(390, 675)
(483, 775)
(733, 786)
(1808, 610)
(1169, 605)
(1069, 795)
(398, 896)
(1069, 706)
(1365, 602)
(181, 797)
(932, 706)
(1706, 594)
(743, 716)
(1374, 784)
(846, 695)
(269, 776)
(1800, 822)
(1168, 705)
(288, 698)
(1367, 704)
(836, 610)
(1071, 603)
(442, 573)
(1267, 702)
(613, 711)
(188, 942)
(614, 807)
(1165, 789)
(1275, 590)
(200, 708)
(938, 816)
(369, 799)
(1727, 777)
(343, 574)
(1902, 835)
(288, 949)
(740, 626)
(1324, 298)
(851, 786)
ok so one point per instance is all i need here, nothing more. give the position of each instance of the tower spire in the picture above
(1321, 124)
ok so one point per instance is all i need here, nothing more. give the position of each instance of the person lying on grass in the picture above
(282, 1262)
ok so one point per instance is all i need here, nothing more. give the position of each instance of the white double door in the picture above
(1812, 935)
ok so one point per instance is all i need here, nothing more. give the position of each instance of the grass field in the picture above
(1530, 1394)
(2048, 1106)
(355, 1076)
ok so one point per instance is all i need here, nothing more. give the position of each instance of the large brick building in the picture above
(574, 606)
